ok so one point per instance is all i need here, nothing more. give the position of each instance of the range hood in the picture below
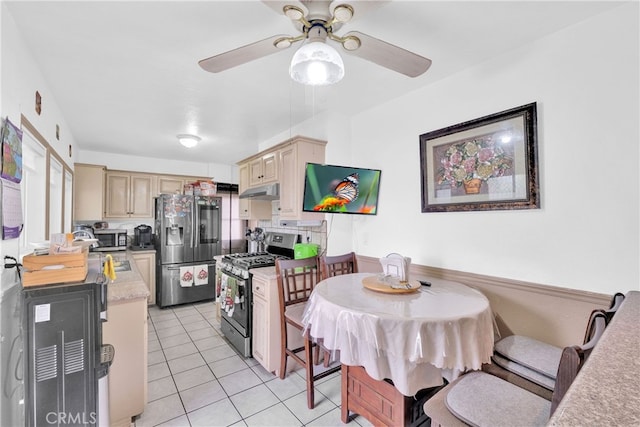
(264, 192)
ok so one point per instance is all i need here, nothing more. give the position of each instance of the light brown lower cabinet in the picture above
(266, 326)
(126, 330)
(146, 264)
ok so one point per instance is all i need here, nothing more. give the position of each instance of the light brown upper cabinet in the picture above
(88, 192)
(128, 195)
(170, 185)
(285, 164)
(250, 209)
(295, 153)
(263, 169)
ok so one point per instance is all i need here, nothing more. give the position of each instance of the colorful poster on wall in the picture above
(11, 152)
(11, 210)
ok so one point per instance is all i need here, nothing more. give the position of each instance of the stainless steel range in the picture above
(235, 289)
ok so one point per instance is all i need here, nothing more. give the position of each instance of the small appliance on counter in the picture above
(142, 237)
(110, 240)
(305, 250)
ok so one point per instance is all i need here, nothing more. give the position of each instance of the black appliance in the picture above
(142, 237)
(235, 287)
(66, 365)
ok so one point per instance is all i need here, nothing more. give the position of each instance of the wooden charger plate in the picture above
(375, 284)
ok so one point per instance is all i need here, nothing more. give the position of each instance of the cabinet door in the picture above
(141, 205)
(117, 195)
(290, 199)
(170, 185)
(243, 172)
(263, 170)
(126, 330)
(146, 264)
(88, 192)
(270, 167)
(245, 209)
(260, 329)
(255, 172)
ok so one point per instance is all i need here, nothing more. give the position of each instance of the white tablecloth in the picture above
(412, 339)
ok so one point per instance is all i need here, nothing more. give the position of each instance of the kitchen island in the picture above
(126, 330)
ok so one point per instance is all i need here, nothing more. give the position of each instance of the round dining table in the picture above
(415, 339)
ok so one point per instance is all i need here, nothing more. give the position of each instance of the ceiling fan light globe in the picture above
(316, 64)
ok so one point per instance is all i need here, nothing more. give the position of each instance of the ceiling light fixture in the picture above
(188, 141)
(316, 63)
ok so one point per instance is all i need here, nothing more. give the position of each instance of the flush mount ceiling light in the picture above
(316, 63)
(188, 141)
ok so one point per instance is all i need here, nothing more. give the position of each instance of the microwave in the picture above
(111, 240)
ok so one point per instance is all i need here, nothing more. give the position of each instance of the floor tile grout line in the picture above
(262, 382)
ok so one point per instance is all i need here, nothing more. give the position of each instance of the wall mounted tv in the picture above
(341, 189)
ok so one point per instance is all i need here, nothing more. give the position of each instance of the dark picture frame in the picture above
(489, 163)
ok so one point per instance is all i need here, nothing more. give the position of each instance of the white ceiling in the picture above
(126, 75)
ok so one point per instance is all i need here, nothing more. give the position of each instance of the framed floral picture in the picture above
(489, 163)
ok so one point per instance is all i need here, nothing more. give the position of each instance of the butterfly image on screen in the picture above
(347, 189)
(341, 189)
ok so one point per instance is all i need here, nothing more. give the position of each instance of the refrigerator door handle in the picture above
(196, 216)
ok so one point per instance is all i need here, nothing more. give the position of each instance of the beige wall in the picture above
(585, 80)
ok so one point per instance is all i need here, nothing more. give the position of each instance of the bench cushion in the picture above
(480, 399)
(537, 355)
(524, 372)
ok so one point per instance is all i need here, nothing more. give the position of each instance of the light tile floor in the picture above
(195, 378)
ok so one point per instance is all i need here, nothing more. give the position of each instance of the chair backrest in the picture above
(296, 279)
(339, 264)
(574, 357)
(616, 301)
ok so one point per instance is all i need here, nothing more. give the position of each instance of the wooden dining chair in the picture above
(481, 399)
(296, 280)
(331, 266)
(338, 264)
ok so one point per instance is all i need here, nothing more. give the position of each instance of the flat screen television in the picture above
(341, 189)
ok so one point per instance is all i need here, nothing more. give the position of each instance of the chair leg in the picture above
(283, 352)
(316, 355)
(327, 358)
(309, 367)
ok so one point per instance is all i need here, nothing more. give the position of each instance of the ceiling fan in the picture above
(318, 21)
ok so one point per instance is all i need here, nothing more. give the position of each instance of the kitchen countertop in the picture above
(128, 285)
(606, 390)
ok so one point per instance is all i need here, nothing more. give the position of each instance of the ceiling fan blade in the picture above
(241, 55)
(389, 56)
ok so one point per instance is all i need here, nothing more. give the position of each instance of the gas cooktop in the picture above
(252, 259)
(280, 245)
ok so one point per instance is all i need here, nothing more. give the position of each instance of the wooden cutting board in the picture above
(373, 283)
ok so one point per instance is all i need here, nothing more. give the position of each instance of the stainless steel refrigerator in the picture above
(187, 237)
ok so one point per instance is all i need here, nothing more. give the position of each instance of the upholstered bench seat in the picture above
(524, 372)
(531, 353)
(472, 401)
